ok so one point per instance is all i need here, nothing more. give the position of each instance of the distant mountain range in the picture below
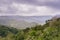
(23, 21)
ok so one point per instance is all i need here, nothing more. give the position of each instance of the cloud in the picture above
(29, 7)
(50, 3)
(30, 10)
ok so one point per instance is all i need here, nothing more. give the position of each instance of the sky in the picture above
(29, 7)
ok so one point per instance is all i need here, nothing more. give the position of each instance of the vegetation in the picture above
(48, 31)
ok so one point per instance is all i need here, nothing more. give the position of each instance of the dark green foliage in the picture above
(20, 35)
(13, 30)
(26, 30)
(37, 27)
(4, 30)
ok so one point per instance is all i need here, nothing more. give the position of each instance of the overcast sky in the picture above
(29, 7)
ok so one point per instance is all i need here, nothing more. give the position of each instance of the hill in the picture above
(48, 31)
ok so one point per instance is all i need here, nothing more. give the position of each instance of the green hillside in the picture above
(48, 31)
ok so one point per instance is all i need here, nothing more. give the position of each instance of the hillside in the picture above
(48, 31)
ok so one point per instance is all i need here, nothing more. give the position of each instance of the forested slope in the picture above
(48, 31)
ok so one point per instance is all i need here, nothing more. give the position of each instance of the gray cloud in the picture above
(54, 4)
(50, 3)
